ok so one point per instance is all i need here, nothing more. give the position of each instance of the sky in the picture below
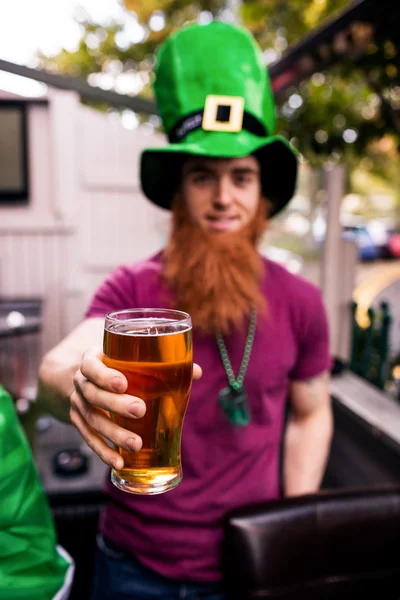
(47, 25)
(27, 26)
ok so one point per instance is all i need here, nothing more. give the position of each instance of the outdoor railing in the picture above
(370, 357)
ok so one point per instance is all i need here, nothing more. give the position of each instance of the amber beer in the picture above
(153, 349)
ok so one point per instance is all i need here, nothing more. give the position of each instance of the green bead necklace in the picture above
(233, 399)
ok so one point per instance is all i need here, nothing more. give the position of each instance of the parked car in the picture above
(378, 231)
(367, 250)
(394, 244)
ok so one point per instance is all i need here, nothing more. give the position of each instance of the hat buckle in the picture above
(223, 113)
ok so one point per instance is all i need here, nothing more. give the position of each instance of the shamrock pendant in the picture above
(235, 406)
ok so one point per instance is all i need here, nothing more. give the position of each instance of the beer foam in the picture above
(149, 326)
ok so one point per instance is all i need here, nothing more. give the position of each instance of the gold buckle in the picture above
(236, 105)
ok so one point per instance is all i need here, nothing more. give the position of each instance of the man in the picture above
(32, 565)
(260, 333)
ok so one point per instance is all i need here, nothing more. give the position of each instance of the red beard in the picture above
(215, 277)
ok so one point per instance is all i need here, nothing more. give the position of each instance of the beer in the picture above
(153, 349)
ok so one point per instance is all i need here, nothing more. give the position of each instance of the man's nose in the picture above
(223, 196)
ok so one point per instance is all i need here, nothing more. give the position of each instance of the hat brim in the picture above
(160, 168)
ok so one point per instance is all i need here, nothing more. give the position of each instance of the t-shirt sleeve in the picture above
(117, 292)
(313, 350)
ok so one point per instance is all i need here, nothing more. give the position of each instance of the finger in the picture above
(197, 372)
(120, 404)
(94, 369)
(100, 422)
(96, 442)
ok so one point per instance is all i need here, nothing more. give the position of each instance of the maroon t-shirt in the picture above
(178, 534)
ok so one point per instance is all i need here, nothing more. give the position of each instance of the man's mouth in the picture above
(221, 222)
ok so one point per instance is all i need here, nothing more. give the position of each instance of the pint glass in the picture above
(153, 349)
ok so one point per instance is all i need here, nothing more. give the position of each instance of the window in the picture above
(13, 153)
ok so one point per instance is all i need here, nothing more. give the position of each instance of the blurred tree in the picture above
(333, 115)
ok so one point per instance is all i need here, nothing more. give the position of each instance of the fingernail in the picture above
(137, 409)
(116, 463)
(116, 384)
(132, 443)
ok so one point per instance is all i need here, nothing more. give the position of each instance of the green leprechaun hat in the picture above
(214, 97)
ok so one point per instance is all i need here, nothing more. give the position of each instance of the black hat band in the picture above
(194, 121)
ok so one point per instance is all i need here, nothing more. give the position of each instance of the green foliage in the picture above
(176, 10)
(270, 19)
(337, 117)
(370, 355)
(333, 115)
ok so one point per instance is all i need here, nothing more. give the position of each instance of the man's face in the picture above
(221, 195)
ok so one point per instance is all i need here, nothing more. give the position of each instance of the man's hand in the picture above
(99, 389)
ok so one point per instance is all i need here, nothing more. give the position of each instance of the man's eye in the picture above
(242, 179)
(201, 178)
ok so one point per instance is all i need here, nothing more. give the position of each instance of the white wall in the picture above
(86, 213)
(118, 223)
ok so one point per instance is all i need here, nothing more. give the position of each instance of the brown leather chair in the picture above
(342, 544)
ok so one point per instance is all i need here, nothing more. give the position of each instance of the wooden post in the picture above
(314, 185)
(64, 109)
(64, 114)
(332, 254)
(348, 252)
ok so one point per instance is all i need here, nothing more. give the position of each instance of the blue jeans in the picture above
(118, 576)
